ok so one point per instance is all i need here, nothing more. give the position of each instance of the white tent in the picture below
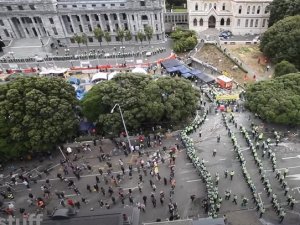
(112, 75)
(99, 76)
(53, 71)
(139, 70)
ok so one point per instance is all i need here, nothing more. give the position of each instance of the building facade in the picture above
(62, 19)
(238, 16)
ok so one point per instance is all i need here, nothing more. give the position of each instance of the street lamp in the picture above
(123, 48)
(112, 111)
(116, 55)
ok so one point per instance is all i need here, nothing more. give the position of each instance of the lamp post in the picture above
(116, 55)
(112, 111)
(123, 48)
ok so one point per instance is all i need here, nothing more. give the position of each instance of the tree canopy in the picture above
(184, 40)
(145, 102)
(282, 41)
(284, 67)
(35, 115)
(280, 9)
(276, 100)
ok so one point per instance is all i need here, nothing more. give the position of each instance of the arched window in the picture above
(215, 5)
(205, 7)
(258, 10)
(222, 22)
(195, 22)
(251, 23)
(267, 9)
(240, 9)
(223, 7)
(228, 22)
(253, 9)
(201, 22)
(256, 23)
(246, 23)
(196, 7)
(210, 6)
(248, 10)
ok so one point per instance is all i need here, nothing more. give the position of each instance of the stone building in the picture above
(239, 16)
(62, 19)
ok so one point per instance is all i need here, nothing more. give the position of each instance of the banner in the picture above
(227, 97)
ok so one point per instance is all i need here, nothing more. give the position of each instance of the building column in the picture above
(64, 29)
(72, 23)
(110, 23)
(119, 21)
(22, 26)
(15, 32)
(101, 22)
(35, 27)
(91, 22)
(81, 23)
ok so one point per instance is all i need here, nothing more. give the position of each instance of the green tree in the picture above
(280, 9)
(121, 35)
(128, 35)
(184, 40)
(276, 100)
(107, 37)
(148, 33)
(282, 41)
(145, 102)
(36, 114)
(84, 40)
(141, 36)
(78, 40)
(99, 34)
(284, 67)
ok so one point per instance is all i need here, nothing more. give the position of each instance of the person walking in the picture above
(214, 153)
(97, 180)
(153, 202)
(231, 175)
(88, 187)
(235, 199)
(145, 199)
(193, 197)
(165, 181)
(226, 173)
(140, 187)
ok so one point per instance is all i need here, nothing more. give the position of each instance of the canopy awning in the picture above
(205, 78)
(53, 71)
(172, 69)
(139, 70)
(195, 72)
(183, 69)
(99, 76)
(171, 63)
(186, 75)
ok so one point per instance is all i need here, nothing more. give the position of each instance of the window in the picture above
(6, 32)
(253, 9)
(132, 17)
(122, 4)
(91, 39)
(117, 26)
(246, 23)
(54, 30)
(87, 18)
(267, 9)
(156, 27)
(155, 16)
(112, 4)
(115, 16)
(144, 17)
(124, 16)
(196, 7)
(103, 5)
(201, 22)
(251, 23)
(96, 17)
(84, 6)
(223, 7)
(93, 5)
(32, 7)
(222, 22)
(1, 23)
(240, 9)
(90, 28)
(228, 22)
(258, 10)
(134, 28)
(9, 8)
(195, 22)
(20, 7)
(108, 28)
(248, 10)
(157, 36)
(71, 28)
(256, 23)
(80, 28)
(105, 17)
(264, 23)
(205, 7)
(215, 5)
(125, 26)
(68, 18)
(51, 21)
(142, 3)
(238, 23)
(64, 6)
(74, 6)
(78, 18)
(210, 6)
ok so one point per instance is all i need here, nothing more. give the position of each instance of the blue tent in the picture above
(186, 75)
(172, 69)
(182, 69)
(170, 63)
(74, 80)
(195, 72)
